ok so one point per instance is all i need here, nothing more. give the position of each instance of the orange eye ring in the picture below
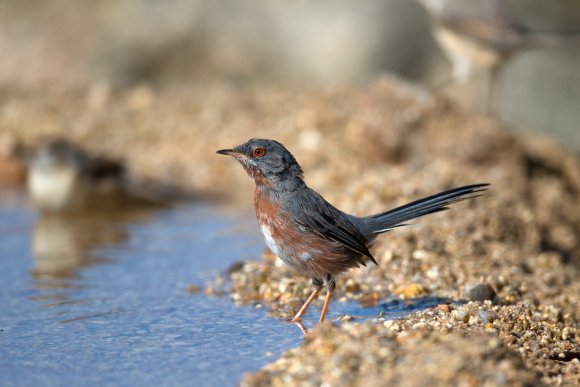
(259, 152)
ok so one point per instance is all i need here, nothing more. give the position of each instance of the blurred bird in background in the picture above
(63, 177)
(483, 35)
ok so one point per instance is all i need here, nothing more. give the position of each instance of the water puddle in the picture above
(103, 300)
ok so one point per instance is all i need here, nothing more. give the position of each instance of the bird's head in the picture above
(266, 161)
(57, 154)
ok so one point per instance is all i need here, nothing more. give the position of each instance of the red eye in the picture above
(259, 152)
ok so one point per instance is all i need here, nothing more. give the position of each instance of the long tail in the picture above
(385, 221)
(552, 39)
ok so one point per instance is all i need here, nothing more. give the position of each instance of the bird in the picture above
(309, 234)
(65, 178)
(483, 35)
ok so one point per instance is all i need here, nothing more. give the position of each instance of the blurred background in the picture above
(114, 44)
(111, 112)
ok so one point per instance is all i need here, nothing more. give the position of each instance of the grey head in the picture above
(58, 154)
(266, 161)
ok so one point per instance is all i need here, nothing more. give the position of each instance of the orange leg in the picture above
(313, 295)
(301, 327)
(326, 303)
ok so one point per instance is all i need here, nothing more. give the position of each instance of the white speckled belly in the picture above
(267, 232)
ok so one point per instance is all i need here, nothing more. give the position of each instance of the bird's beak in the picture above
(228, 152)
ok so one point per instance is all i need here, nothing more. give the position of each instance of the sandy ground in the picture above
(366, 150)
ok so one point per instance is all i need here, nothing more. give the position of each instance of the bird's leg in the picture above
(329, 290)
(313, 295)
(301, 327)
(492, 96)
(317, 287)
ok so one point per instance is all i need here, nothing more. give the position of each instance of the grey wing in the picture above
(320, 217)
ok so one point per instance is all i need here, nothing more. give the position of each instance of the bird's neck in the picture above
(277, 185)
(258, 177)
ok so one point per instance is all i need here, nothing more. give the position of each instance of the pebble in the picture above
(480, 292)
(444, 308)
(193, 288)
(410, 291)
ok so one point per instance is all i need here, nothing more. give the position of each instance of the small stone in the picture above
(494, 343)
(444, 308)
(351, 285)
(567, 333)
(235, 267)
(410, 291)
(421, 255)
(480, 292)
(510, 340)
(460, 315)
(402, 337)
(555, 314)
(388, 256)
(193, 289)
(369, 300)
(487, 316)
(392, 326)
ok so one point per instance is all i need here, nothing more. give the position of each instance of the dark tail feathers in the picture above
(385, 221)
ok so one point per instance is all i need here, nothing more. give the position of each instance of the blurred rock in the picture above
(410, 291)
(480, 292)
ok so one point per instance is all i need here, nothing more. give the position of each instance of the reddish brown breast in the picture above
(302, 250)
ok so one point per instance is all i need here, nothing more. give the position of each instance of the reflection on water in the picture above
(64, 244)
(61, 246)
